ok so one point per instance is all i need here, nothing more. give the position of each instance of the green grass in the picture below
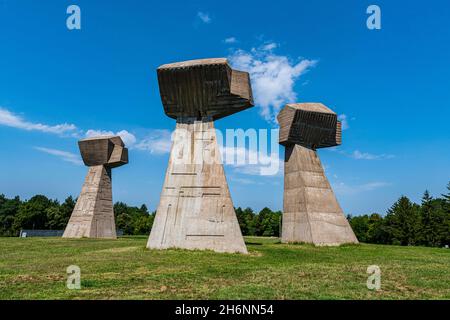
(35, 268)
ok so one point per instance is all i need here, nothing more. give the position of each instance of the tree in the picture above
(360, 226)
(433, 221)
(58, 215)
(8, 212)
(268, 223)
(66, 210)
(242, 221)
(143, 224)
(427, 234)
(446, 208)
(250, 221)
(119, 208)
(447, 196)
(377, 232)
(32, 214)
(54, 218)
(403, 222)
(133, 220)
(124, 222)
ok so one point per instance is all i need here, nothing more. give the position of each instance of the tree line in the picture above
(42, 213)
(405, 223)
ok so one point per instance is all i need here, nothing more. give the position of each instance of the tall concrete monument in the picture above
(93, 215)
(311, 212)
(195, 209)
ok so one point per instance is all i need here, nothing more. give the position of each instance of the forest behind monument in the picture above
(405, 223)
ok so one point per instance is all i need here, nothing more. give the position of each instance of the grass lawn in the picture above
(35, 268)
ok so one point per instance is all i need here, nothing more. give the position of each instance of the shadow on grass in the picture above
(253, 243)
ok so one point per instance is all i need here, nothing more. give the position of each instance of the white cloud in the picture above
(374, 185)
(253, 162)
(230, 40)
(358, 155)
(157, 142)
(204, 17)
(344, 119)
(64, 155)
(244, 180)
(128, 138)
(273, 77)
(269, 46)
(7, 118)
(344, 189)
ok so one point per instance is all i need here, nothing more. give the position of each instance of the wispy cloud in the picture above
(230, 40)
(204, 17)
(8, 118)
(345, 189)
(252, 162)
(244, 180)
(358, 155)
(273, 76)
(157, 142)
(128, 138)
(344, 119)
(269, 46)
(64, 155)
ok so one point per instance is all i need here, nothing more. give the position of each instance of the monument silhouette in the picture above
(311, 212)
(195, 209)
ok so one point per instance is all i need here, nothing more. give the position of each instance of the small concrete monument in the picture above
(311, 212)
(195, 209)
(93, 215)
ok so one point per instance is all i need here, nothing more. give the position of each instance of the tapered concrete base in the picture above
(311, 211)
(195, 209)
(93, 215)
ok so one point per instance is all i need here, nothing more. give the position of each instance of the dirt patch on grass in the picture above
(115, 250)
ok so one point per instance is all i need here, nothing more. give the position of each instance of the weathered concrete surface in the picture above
(311, 125)
(195, 209)
(93, 215)
(311, 212)
(203, 88)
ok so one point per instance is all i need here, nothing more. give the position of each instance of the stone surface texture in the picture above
(203, 88)
(195, 209)
(311, 125)
(93, 215)
(311, 212)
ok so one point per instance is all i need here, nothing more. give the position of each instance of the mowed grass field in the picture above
(35, 268)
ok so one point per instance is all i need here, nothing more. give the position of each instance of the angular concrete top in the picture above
(311, 107)
(105, 150)
(203, 88)
(190, 63)
(312, 125)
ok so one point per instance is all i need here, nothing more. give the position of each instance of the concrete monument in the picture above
(311, 212)
(93, 215)
(195, 209)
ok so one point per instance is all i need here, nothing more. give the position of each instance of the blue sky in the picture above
(391, 86)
